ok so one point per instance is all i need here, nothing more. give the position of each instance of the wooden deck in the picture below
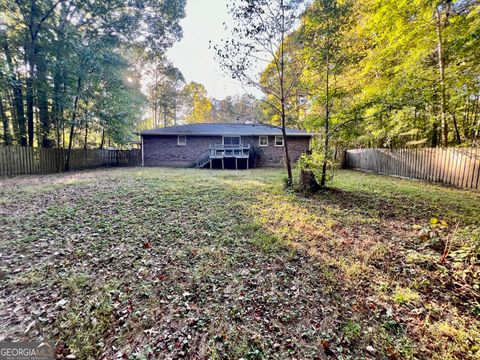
(219, 151)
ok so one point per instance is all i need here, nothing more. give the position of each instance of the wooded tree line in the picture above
(172, 101)
(364, 72)
(70, 69)
(380, 73)
(388, 73)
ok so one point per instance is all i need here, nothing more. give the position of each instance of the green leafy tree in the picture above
(417, 76)
(237, 109)
(164, 92)
(328, 54)
(62, 58)
(198, 106)
(260, 36)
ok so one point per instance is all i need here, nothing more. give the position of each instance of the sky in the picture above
(203, 23)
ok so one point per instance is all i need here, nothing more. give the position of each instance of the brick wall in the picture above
(164, 151)
(272, 155)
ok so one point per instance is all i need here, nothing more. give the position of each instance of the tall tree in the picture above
(34, 14)
(328, 55)
(237, 109)
(259, 37)
(12, 78)
(416, 69)
(55, 55)
(164, 91)
(198, 106)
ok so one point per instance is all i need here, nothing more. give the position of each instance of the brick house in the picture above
(224, 145)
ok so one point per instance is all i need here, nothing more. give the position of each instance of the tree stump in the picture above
(308, 184)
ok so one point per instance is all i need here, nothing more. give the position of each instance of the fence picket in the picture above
(16, 160)
(473, 168)
(477, 172)
(13, 157)
(454, 166)
(465, 157)
(438, 177)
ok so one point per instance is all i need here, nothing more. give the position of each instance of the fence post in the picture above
(454, 166)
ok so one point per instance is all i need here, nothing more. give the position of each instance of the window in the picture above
(278, 140)
(181, 140)
(263, 141)
(231, 140)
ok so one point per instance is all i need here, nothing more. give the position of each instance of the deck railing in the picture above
(218, 151)
(202, 159)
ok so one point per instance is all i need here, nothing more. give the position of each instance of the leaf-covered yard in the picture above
(165, 263)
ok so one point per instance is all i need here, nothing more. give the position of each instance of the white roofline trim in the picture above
(224, 133)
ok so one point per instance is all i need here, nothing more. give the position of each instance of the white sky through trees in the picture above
(192, 55)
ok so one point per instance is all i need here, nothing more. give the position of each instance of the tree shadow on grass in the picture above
(197, 265)
(417, 198)
(404, 206)
(379, 259)
(146, 267)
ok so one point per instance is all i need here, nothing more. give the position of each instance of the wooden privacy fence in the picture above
(16, 160)
(453, 166)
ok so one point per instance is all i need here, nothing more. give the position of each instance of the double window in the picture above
(231, 140)
(278, 140)
(181, 140)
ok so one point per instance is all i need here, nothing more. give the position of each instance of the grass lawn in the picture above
(167, 263)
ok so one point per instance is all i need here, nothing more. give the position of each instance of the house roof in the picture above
(224, 129)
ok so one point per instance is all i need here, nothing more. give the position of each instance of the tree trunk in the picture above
(7, 137)
(85, 140)
(59, 77)
(102, 142)
(476, 123)
(457, 132)
(56, 106)
(42, 101)
(11, 103)
(441, 69)
(72, 127)
(154, 100)
(435, 136)
(285, 148)
(155, 122)
(70, 144)
(307, 183)
(17, 98)
(175, 111)
(465, 118)
(323, 180)
(29, 92)
(282, 93)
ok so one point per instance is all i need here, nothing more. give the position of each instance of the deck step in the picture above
(203, 163)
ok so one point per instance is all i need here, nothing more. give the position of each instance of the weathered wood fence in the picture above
(17, 160)
(453, 166)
